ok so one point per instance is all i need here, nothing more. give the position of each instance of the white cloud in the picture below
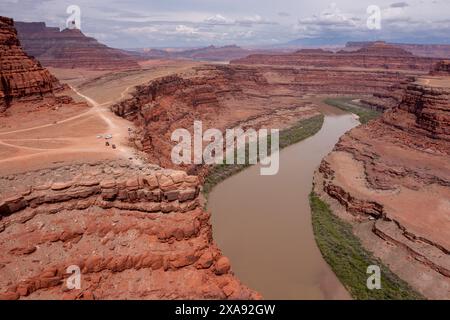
(185, 29)
(332, 16)
(169, 23)
(217, 19)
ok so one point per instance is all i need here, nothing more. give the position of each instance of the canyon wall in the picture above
(22, 77)
(396, 170)
(225, 96)
(134, 233)
(70, 48)
(220, 96)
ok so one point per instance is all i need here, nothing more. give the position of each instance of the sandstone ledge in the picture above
(133, 236)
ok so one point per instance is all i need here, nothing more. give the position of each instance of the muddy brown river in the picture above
(263, 223)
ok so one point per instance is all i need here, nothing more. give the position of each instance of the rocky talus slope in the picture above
(378, 55)
(397, 171)
(134, 232)
(21, 76)
(70, 48)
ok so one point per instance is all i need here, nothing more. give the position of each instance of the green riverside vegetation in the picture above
(300, 131)
(343, 251)
(340, 248)
(365, 113)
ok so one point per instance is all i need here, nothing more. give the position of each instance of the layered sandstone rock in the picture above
(335, 81)
(397, 171)
(70, 48)
(220, 96)
(391, 97)
(378, 55)
(22, 77)
(134, 233)
(225, 96)
(423, 111)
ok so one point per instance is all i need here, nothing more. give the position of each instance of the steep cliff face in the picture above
(375, 56)
(70, 48)
(424, 110)
(22, 77)
(133, 233)
(335, 81)
(397, 170)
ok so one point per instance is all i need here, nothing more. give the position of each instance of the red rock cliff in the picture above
(134, 233)
(70, 48)
(21, 75)
(396, 169)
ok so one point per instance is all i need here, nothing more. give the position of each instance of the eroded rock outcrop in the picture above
(70, 48)
(22, 77)
(133, 233)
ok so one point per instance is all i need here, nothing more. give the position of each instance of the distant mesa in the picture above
(152, 54)
(313, 51)
(214, 53)
(22, 77)
(210, 53)
(422, 50)
(376, 55)
(70, 48)
(380, 48)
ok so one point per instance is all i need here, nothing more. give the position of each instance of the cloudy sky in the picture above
(191, 23)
